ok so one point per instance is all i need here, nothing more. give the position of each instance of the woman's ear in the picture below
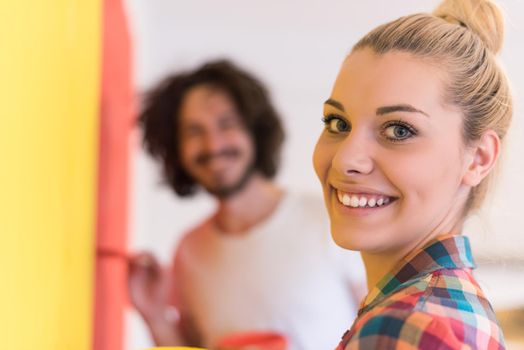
(483, 156)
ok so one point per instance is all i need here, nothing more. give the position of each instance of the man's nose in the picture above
(354, 155)
(213, 141)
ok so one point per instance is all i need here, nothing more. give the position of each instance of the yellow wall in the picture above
(49, 82)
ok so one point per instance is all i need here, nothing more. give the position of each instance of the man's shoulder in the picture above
(306, 203)
(196, 234)
(305, 197)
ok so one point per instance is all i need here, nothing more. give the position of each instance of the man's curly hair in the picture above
(160, 114)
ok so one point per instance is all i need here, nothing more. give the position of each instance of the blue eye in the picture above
(336, 124)
(398, 131)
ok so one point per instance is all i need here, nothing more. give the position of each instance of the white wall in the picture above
(296, 48)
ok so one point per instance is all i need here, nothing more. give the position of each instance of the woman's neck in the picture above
(378, 264)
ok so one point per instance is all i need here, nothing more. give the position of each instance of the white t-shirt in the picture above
(285, 275)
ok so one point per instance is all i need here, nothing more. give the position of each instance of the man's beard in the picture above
(226, 191)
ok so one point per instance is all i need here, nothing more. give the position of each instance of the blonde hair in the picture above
(461, 37)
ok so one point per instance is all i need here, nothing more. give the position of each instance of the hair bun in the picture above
(483, 17)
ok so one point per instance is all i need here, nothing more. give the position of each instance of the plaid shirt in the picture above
(429, 301)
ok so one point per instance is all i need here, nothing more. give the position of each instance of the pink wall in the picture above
(116, 122)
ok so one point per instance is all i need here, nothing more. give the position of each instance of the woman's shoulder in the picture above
(443, 310)
(455, 288)
(440, 293)
(397, 328)
(402, 329)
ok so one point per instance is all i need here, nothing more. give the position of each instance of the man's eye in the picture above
(336, 125)
(398, 131)
(191, 132)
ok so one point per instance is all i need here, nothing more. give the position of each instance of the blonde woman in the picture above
(413, 130)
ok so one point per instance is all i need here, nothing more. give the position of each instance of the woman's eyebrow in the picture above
(399, 108)
(335, 104)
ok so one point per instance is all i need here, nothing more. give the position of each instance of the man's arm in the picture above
(149, 289)
(186, 326)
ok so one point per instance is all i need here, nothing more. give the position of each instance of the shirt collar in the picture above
(444, 252)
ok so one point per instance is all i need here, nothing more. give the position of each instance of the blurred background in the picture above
(296, 48)
(76, 181)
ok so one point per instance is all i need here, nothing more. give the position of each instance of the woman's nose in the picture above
(353, 156)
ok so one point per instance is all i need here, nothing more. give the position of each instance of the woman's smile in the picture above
(360, 200)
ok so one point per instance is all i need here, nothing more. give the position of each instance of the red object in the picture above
(253, 341)
(116, 122)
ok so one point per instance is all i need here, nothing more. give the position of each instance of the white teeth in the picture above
(355, 201)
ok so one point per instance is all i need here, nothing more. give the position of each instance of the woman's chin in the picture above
(357, 240)
(348, 240)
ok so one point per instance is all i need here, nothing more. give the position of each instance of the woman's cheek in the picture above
(321, 159)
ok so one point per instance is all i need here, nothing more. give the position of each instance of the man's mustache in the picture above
(203, 158)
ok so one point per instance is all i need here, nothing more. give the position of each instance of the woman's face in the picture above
(391, 158)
